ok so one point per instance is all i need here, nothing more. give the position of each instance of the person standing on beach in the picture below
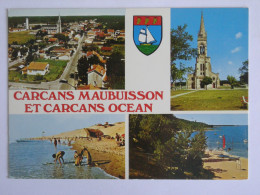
(78, 158)
(55, 142)
(59, 156)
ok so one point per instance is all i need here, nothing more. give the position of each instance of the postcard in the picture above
(158, 93)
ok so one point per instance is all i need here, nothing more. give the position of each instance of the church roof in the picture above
(202, 31)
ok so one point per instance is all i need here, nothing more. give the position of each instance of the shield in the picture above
(147, 33)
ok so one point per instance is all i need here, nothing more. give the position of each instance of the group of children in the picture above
(78, 157)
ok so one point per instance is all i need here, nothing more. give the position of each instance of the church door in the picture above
(213, 85)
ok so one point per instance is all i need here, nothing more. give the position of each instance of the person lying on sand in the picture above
(59, 156)
(78, 158)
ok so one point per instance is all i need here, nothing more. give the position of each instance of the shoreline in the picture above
(105, 154)
(229, 167)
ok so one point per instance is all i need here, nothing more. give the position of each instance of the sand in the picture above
(105, 153)
(227, 169)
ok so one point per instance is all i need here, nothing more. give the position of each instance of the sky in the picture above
(227, 36)
(216, 119)
(64, 12)
(32, 125)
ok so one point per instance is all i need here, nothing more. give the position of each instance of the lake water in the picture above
(33, 159)
(234, 136)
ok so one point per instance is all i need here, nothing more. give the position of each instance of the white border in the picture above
(34, 186)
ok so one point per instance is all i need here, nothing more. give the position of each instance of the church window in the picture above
(202, 49)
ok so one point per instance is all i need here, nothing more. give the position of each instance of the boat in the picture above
(23, 140)
(145, 37)
(245, 141)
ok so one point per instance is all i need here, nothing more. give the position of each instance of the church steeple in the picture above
(59, 29)
(202, 32)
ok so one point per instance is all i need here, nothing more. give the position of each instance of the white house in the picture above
(36, 68)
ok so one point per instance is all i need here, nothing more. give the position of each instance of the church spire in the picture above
(202, 32)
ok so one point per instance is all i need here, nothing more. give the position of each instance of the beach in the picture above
(105, 152)
(226, 168)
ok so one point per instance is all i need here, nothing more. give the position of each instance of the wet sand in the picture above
(105, 154)
(225, 169)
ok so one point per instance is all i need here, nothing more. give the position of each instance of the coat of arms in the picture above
(147, 33)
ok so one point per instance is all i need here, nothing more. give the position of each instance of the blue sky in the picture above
(216, 119)
(32, 125)
(64, 12)
(227, 36)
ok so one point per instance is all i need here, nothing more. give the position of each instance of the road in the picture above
(56, 85)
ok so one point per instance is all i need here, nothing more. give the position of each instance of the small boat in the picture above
(245, 141)
(23, 140)
(215, 133)
(145, 37)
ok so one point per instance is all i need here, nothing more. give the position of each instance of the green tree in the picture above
(180, 50)
(23, 50)
(93, 60)
(232, 81)
(83, 66)
(170, 139)
(116, 70)
(15, 53)
(244, 72)
(206, 81)
(29, 58)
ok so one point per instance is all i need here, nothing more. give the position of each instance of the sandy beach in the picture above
(224, 168)
(105, 153)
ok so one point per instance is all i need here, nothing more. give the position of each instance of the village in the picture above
(80, 55)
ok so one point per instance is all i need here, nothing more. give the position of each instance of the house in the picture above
(36, 68)
(97, 76)
(106, 49)
(53, 40)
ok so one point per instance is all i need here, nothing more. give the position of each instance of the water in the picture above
(33, 159)
(234, 135)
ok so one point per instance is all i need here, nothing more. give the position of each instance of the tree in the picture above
(180, 50)
(93, 60)
(116, 70)
(83, 69)
(206, 81)
(29, 58)
(182, 72)
(244, 72)
(232, 81)
(15, 53)
(171, 142)
(23, 50)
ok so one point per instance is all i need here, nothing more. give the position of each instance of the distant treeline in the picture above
(113, 22)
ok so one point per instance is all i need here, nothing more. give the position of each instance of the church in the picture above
(53, 29)
(203, 65)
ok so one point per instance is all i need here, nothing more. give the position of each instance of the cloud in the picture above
(237, 49)
(230, 62)
(239, 35)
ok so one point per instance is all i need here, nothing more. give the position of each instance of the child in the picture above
(58, 156)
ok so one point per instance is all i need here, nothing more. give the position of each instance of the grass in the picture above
(20, 37)
(147, 49)
(210, 100)
(55, 70)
